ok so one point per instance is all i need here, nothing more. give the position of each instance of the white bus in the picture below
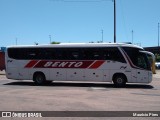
(100, 62)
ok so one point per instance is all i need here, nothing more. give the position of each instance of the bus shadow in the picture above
(70, 84)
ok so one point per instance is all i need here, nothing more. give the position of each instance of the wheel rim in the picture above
(39, 79)
(120, 80)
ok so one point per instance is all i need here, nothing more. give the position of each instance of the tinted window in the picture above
(48, 54)
(138, 59)
(38, 53)
(92, 54)
(113, 53)
(132, 53)
(74, 54)
(24, 53)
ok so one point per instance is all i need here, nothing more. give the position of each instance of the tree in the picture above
(157, 57)
(54, 42)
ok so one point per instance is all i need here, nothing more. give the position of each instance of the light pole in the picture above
(16, 40)
(50, 39)
(114, 21)
(132, 36)
(158, 34)
(102, 36)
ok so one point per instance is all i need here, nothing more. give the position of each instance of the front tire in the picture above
(119, 81)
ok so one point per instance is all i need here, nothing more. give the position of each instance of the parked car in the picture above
(157, 64)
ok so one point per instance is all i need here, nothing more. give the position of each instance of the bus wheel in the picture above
(119, 80)
(39, 78)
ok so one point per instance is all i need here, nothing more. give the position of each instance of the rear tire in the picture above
(39, 79)
(119, 81)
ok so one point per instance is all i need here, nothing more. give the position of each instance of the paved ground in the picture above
(69, 96)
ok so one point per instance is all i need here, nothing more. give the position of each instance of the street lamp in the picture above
(50, 38)
(114, 21)
(158, 34)
(16, 40)
(132, 36)
(102, 35)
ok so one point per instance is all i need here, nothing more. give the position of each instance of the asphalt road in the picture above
(72, 96)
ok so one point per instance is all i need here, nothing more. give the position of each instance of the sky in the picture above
(26, 22)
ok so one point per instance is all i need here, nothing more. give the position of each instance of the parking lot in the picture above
(72, 96)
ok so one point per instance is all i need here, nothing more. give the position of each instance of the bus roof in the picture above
(68, 45)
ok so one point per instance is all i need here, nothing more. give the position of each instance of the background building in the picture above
(154, 50)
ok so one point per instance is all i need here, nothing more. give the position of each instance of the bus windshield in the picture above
(142, 61)
(138, 58)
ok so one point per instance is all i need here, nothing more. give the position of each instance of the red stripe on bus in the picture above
(65, 64)
(97, 64)
(31, 63)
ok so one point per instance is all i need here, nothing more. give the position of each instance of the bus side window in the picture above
(61, 54)
(92, 54)
(113, 54)
(32, 54)
(106, 55)
(48, 54)
(14, 53)
(96, 55)
(109, 54)
(75, 55)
